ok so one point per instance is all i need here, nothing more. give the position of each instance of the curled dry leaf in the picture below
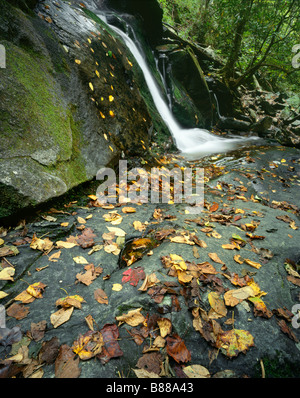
(132, 318)
(165, 326)
(88, 345)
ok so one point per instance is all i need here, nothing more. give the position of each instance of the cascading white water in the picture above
(195, 143)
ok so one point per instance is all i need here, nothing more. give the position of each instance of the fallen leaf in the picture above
(117, 231)
(66, 366)
(137, 225)
(65, 245)
(117, 287)
(234, 341)
(128, 210)
(145, 374)
(196, 371)
(88, 345)
(61, 316)
(70, 301)
(18, 311)
(237, 258)
(150, 280)
(132, 318)
(111, 348)
(165, 326)
(7, 274)
(36, 289)
(252, 263)
(217, 305)
(55, 256)
(133, 275)
(215, 258)
(80, 260)
(101, 296)
(176, 348)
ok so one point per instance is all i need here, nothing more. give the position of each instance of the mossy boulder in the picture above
(69, 103)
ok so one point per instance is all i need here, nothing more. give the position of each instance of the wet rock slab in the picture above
(275, 337)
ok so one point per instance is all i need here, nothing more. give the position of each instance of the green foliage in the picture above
(268, 30)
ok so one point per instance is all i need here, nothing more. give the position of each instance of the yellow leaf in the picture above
(7, 273)
(111, 98)
(61, 316)
(3, 294)
(81, 220)
(196, 371)
(165, 326)
(117, 287)
(132, 318)
(65, 245)
(78, 61)
(252, 263)
(80, 260)
(91, 86)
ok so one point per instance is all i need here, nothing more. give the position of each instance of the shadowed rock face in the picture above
(148, 10)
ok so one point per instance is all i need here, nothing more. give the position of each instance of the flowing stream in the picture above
(194, 143)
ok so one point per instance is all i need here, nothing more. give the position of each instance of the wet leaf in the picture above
(150, 280)
(86, 239)
(80, 260)
(111, 348)
(176, 348)
(252, 263)
(44, 245)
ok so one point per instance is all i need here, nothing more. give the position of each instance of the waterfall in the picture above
(193, 143)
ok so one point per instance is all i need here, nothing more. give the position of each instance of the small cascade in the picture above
(194, 143)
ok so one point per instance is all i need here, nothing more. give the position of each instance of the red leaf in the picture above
(133, 275)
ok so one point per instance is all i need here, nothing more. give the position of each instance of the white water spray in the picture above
(194, 143)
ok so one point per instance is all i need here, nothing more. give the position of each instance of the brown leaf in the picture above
(66, 367)
(18, 311)
(215, 258)
(151, 362)
(86, 239)
(176, 348)
(111, 348)
(101, 296)
(37, 330)
(49, 351)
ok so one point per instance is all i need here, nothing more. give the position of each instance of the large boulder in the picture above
(69, 103)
